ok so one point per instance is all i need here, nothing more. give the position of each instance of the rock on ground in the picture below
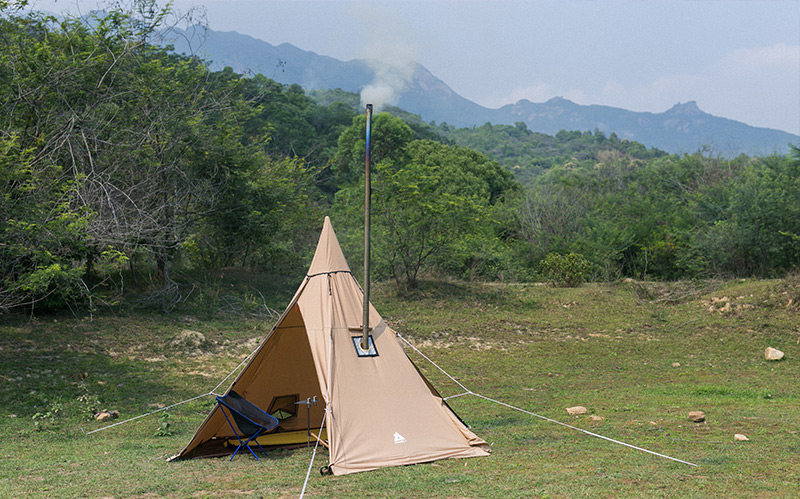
(578, 409)
(773, 354)
(106, 415)
(697, 416)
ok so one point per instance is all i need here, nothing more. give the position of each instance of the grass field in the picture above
(639, 356)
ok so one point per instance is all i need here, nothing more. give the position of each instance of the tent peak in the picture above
(328, 257)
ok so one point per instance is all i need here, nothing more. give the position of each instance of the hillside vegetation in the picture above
(130, 174)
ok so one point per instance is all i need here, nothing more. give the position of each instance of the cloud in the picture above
(776, 57)
(761, 84)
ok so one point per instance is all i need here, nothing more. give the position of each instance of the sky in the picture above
(738, 59)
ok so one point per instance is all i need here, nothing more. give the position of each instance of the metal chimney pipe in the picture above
(367, 196)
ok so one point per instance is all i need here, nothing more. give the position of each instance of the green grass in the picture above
(610, 348)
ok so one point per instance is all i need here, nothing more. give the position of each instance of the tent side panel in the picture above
(283, 368)
(385, 413)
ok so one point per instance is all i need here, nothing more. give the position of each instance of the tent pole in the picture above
(367, 196)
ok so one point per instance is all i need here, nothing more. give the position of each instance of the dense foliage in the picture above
(113, 146)
(673, 217)
(528, 154)
(118, 157)
(641, 213)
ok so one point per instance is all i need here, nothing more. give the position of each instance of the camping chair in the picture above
(250, 420)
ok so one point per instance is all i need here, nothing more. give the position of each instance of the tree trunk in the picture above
(162, 267)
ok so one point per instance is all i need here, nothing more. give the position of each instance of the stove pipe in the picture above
(367, 196)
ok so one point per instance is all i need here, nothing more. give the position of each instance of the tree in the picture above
(266, 217)
(389, 138)
(428, 200)
(40, 232)
(134, 127)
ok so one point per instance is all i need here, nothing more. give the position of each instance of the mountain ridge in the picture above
(683, 128)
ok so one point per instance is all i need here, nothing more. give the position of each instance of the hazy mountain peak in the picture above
(689, 108)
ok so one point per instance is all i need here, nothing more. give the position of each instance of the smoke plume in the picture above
(389, 83)
(391, 55)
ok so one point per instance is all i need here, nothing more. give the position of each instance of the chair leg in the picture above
(235, 433)
(242, 443)
(255, 435)
(255, 439)
(253, 453)
(262, 449)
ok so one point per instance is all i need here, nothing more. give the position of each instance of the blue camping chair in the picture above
(250, 420)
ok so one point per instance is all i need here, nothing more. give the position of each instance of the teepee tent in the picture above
(381, 411)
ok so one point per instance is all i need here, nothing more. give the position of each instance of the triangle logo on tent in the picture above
(399, 439)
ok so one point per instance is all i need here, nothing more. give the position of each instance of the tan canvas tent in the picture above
(381, 409)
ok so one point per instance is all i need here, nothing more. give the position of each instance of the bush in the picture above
(565, 271)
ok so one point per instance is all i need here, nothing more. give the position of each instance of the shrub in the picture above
(565, 271)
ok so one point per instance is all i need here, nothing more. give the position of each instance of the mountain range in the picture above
(684, 128)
